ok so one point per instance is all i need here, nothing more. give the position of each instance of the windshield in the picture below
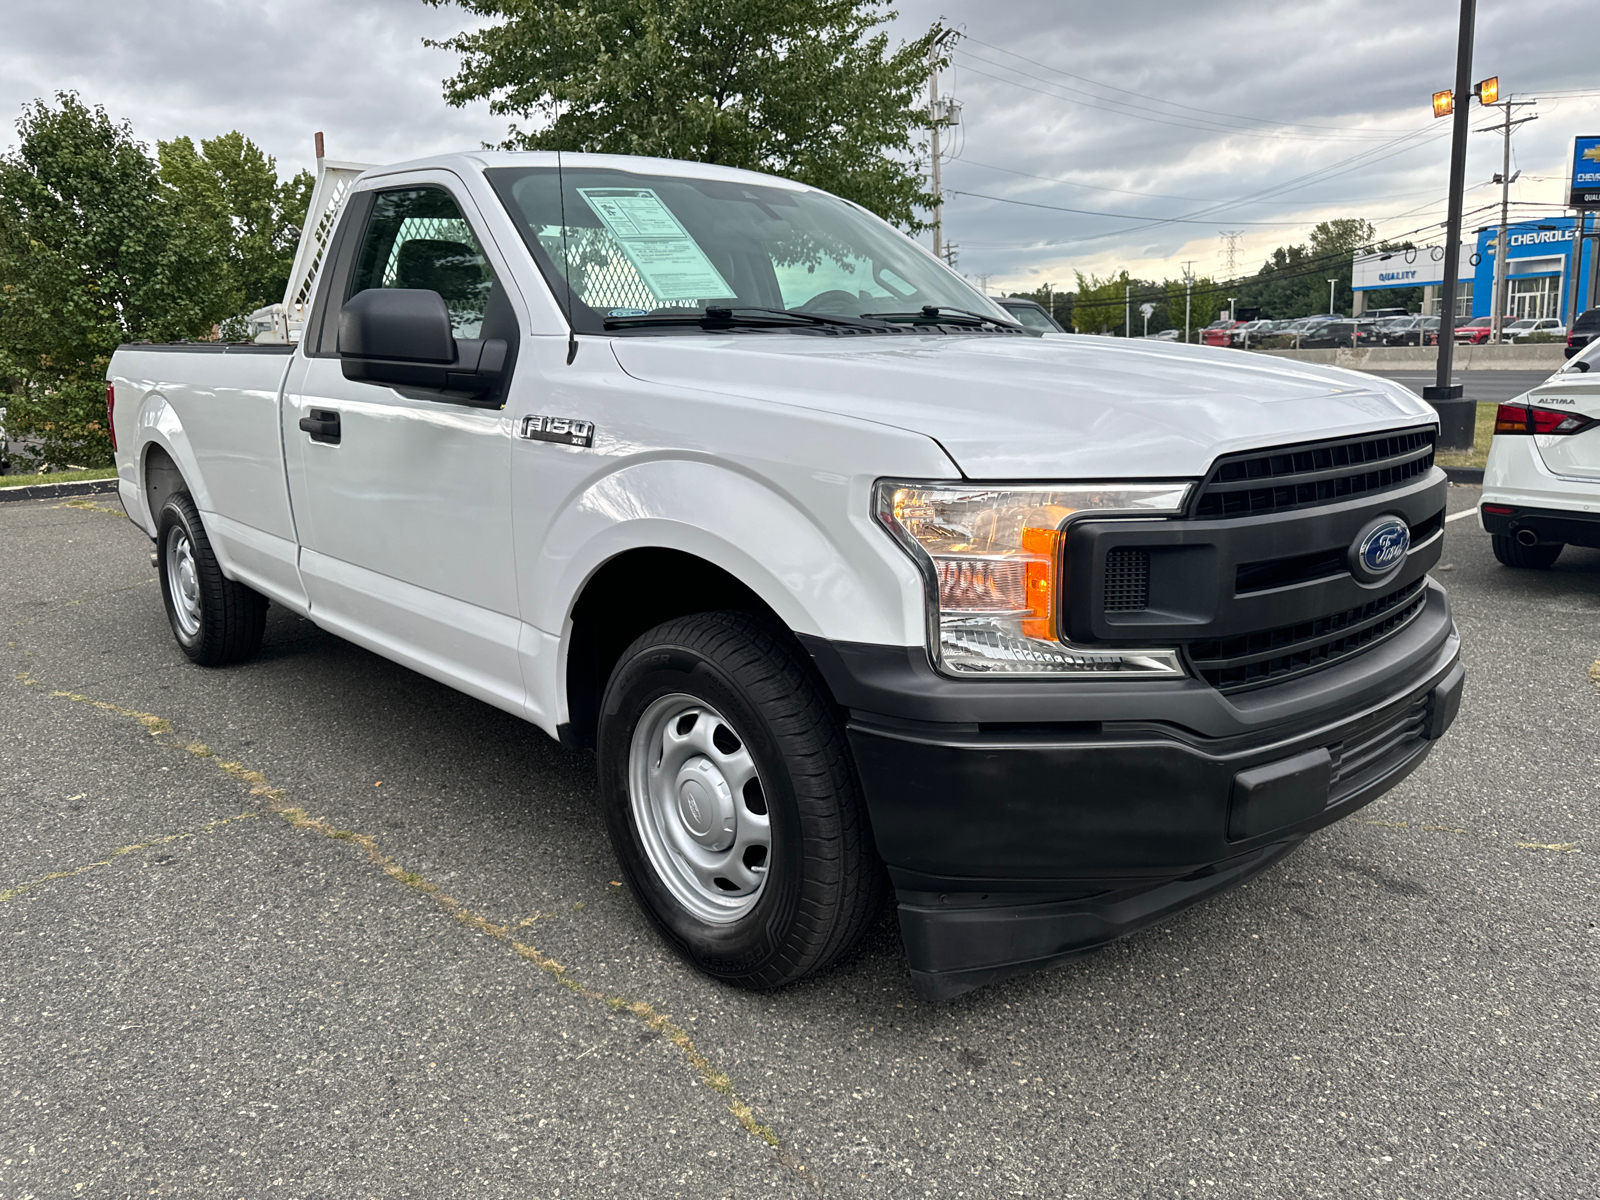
(635, 247)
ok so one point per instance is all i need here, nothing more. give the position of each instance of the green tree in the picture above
(93, 252)
(231, 187)
(807, 89)
(1099, 306)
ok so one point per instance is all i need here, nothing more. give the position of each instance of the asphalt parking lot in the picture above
(318, 927)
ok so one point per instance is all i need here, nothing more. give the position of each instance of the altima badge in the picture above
(564, 431)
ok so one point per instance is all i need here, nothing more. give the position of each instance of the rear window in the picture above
(1587, 322)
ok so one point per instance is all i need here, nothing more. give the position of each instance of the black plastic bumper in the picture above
(1547, 524)
(1016, 843)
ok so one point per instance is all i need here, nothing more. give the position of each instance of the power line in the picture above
(1210, 114)
(1089, 212)
(1190, 199)
(1176, 123)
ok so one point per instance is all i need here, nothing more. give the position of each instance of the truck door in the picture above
(401, 497)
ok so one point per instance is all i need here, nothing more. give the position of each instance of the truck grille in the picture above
(1365, 751)
(1271, 655)
(1127, 583)
(1288, 477)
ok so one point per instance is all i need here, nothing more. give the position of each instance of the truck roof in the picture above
(485, 159)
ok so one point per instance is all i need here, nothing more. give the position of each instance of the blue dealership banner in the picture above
(1585, 174)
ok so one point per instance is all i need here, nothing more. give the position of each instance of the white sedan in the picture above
(1541, 485)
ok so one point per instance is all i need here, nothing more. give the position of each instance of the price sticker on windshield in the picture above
(669, 261)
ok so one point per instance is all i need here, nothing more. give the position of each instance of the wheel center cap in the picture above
(705, 804)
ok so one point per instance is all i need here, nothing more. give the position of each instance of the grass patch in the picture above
(57, 477)
(1479, 454)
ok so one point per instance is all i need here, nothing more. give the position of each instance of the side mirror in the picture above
(402, 337)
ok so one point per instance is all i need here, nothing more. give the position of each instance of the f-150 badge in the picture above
(564, 431)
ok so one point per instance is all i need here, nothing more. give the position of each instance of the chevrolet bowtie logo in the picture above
(1592, 154)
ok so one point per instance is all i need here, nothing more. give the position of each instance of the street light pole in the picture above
(1331, 284)
(1443, 389)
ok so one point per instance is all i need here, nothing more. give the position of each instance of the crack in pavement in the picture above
(276, 802)
(11, 893)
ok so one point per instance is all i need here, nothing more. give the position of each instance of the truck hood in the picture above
(1038, 408)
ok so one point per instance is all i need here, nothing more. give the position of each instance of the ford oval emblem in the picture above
(1380, 549)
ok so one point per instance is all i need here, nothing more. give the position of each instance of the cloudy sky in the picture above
(1261, 119)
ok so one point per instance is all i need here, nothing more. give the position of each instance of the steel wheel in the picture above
(183, 580)
(700, 808)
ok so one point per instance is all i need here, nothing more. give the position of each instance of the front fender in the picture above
(816, 560)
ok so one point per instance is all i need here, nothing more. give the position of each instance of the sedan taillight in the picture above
(1527, 419)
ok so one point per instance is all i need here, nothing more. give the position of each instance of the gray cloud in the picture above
(1359, 69)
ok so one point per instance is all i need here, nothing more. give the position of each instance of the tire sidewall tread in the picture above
(826, 882)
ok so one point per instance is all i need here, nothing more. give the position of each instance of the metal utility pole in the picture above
(1127, 309)
(1580, 219)
(1188, 295)
(1497, 298)
(936, 120)
(1443, 389)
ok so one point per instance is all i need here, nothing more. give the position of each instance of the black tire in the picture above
(1513, 553)
(823, 881)
(222, 621)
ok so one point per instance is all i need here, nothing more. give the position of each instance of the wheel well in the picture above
(636, 591)
(161, 479)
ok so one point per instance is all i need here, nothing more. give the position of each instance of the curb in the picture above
(1465, 474)
(54, 491)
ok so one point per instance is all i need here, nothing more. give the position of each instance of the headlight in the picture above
(991, 557)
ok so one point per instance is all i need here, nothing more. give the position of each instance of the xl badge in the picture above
(1379, 549)
(564, 431)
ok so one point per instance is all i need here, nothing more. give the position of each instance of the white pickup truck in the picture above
(850, 582)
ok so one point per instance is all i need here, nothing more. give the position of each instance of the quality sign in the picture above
(1585, 174)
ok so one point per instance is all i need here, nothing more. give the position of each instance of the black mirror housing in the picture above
(402, 337)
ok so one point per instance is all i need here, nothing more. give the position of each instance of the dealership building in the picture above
(1542, 266)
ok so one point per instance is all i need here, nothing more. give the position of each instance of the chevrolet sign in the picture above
(1585, 191)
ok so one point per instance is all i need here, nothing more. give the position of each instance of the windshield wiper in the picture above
(749, 315)
(939, 312)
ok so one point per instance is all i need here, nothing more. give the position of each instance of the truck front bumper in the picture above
(1026, 822)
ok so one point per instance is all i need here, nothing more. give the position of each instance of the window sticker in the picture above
(669, 261)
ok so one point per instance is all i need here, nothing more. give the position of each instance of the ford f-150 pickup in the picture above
(852, 584)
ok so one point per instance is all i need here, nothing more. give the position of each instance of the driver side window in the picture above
(418, 238)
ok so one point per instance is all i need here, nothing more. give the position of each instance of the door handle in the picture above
(322, 425)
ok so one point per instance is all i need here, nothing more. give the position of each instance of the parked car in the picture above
(1218, 333)
(1541, 485)
(1030, 313)
(786, 545)
(1248, 332)
(1584, 330)
(1477, 330)
(1520, 330)
(1411, 331)
(1329, 335)
(1165, 335)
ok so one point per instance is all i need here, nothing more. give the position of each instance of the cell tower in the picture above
(1230, 250)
